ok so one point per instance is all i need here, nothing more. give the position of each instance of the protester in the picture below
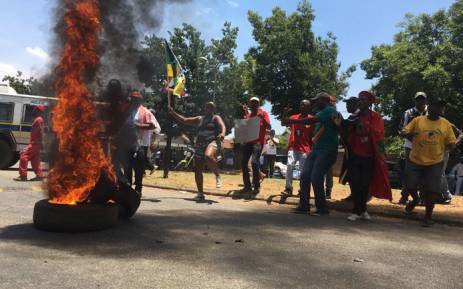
(418, 110)
(321, 158)
(32, 151)
(300, 142)
(252, 150)
(270, 154)
(364, 135)
(431, 136)
(210, 130)
(352, 106)
(134, 138)
(146, 125)
(457, 174)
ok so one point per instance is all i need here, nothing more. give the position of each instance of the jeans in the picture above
(404, 192)
(251, 151)
(315, 168)
(293, 158)
(329, 182)
(136, 165)
(459, 186)
(361, 173)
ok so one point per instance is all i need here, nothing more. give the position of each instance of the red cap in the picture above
(368, 94)
(40, 108)
(136, 94)
(333, 101)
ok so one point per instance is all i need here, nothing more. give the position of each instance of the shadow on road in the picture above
(252, 243)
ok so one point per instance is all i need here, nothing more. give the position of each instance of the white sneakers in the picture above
(354, 217)
(218, 182)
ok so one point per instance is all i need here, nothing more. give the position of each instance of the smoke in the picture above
(124, 23)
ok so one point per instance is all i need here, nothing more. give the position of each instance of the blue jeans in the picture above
(317, 165)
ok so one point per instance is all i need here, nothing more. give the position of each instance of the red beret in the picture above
(136, 94)
(40, 108)
(368, 94)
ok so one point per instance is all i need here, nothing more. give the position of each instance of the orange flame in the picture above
(81, 158)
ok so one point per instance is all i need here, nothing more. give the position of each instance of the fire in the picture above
(80, 157)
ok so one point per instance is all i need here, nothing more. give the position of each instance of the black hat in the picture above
(436, 100)
(320, 96)
(351, 99)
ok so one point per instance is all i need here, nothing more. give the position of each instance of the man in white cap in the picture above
(252, 150)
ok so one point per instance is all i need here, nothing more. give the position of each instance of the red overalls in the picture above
(32, 151)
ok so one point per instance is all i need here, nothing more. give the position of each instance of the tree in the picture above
(426, 55)
(212, 71)
(290, 62)
(19, 83)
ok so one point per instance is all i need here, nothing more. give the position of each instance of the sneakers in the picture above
(427, 223)
(301, 210)
(218, 182)
(365, 216)
(288, 191)
(36, 179)
(199, 198)
(354, 217)
(20, 179)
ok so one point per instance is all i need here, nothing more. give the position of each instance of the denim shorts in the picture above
(426, 178)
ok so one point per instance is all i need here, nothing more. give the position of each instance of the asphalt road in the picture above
(175, 243)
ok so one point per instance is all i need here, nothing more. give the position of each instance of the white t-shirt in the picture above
(270, 148)
(144, 135)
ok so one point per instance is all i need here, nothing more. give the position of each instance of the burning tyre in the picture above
(75, 218)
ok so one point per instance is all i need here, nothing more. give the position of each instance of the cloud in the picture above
(232, 3)
(7, 69)
(39, 52)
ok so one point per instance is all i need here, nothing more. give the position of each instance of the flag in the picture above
(175, 77)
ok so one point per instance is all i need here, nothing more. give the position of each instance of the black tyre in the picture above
(6, 155)
(15, 159)
(74, 219)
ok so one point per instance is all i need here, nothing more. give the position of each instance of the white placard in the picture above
(247, 130)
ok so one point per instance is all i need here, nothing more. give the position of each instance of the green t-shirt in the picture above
(326, 134)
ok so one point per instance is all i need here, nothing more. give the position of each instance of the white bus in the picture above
(16, 116)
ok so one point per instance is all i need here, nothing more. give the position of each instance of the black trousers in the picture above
(136, 165)
(360, 173)
(251, 151)
(269, 166)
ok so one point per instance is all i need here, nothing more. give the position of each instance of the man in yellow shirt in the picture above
(431, 136)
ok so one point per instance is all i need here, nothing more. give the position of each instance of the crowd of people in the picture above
(316, 133)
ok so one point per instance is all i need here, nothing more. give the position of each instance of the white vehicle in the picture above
(16, 116)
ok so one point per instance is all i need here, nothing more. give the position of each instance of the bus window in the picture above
(6, 112)
(28, 113)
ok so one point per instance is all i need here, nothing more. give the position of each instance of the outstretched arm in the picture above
(183, 119)
(223, 129)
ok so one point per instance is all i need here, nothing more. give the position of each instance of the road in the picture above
(175, 243)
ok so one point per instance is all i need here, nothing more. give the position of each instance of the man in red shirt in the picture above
(253, 149)
(300, 143)
(32, 151)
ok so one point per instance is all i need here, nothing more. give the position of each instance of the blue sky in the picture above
(357, 24)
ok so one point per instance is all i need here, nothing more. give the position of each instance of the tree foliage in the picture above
(29, 85)
(290, 62)
(426, 55)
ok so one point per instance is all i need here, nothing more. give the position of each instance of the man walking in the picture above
(457, 173)
(252, 150)
(321, 158)
(32, 151)
(431, 136)
(300, 142)
(270, 154)
(409, 115)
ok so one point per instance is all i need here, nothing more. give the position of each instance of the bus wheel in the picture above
(15, 159)
(6, 155)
